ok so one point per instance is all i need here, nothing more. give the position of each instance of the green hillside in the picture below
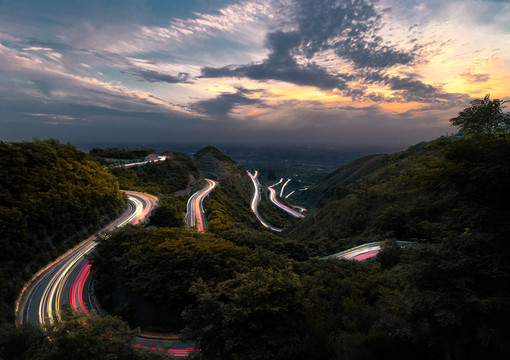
(241, 291)
(216, 165)
(177, 175)
(334, 183)
(380, 197)
(51, 196)
(229, 212)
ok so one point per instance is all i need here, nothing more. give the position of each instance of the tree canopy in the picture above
(484, 116)
(51, 196)
(75, 336)
(243, 293)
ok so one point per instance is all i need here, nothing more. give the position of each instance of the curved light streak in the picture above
(195, 216)
(255, 202)
(67, 280)
(289, 194)
(274, 200)
(283, 187)
(365, 251)
(71, 272)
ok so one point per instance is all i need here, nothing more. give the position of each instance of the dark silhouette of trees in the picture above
(75, 336)
(484, 116)
(51, 196)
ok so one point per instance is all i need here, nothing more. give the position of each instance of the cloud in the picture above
(154, 76)
(222, 105)
(348, 29)
(33, 79)
(475, 78)
(54, 119)
(410, 89)
(280, 65)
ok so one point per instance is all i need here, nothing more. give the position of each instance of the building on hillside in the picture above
(152, 156)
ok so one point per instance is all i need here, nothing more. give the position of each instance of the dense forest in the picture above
(119, 153)
(240, 291)
(178, 174)
(76, 337)
(51, 196)
(246, 292)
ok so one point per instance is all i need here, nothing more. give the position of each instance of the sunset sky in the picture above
(258, 72)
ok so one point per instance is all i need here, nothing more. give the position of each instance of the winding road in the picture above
(365, 251)
(195, 216)
(255, 202)
(68, 280)
(274, 200)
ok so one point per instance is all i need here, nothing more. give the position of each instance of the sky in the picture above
(267, 72)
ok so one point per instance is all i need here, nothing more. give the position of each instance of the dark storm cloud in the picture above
(347, 28)
(154, 76)
(223, 104)
(282, 66)
(414, 90)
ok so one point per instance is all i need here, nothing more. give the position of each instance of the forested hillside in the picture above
(120, 153)
(176, 175)
(333, 183)
(377, 198)
(443, 298)
(51, 196)
(241, 291)
(229, 214)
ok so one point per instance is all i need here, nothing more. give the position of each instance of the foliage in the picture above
(243, 292)
(229, 217)
(214, 164)
(168, 213)
(177, 173)
(386, 202)
(215, 153)
(74, 337)
(51, 196)
(157, 266)
(257, 315)
(484, 116)
(458, 298)
(120, 153)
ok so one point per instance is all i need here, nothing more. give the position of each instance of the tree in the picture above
(168, 213)
(261, 314)
(76, 336)
(483, 117)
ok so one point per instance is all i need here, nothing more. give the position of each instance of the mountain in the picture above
(177, 175)
(51, 196)
(341, 177)
(375, 198)
(216, 165)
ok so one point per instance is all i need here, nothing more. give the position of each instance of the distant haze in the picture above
(269, 72)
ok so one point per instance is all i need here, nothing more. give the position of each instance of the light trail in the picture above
(255, 202)
(365, 251)
(283, 187)
(289, 194)
(195, 216)
(56, 281)
(272, 197)
(68, 280)
(160, 158)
